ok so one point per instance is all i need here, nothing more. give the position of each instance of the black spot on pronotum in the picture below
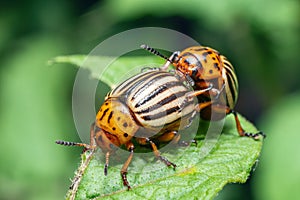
(205, 53)
(113, 128)
(216, 66)
(104, 113)
(118, 118)
(125, 124)
(125, 134)
(110, 116)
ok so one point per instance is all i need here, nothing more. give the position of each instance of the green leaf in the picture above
(108, 69)
(197, 176)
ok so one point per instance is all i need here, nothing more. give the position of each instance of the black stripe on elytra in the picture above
(229, 68)
(231, 75)
(157, 91)
(162, 102)
(175, 121)
(134, 82)
(186, 104)
(149, 83)
(227, 63)
(232, 89)
(232, 82)
(104, 113)
(132, 85)
(161, 114)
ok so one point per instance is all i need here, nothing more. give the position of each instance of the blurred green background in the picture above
(260, 38)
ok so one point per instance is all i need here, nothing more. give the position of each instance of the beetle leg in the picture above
(203, 105)
(175, 137)
(160, 157)
(130, 147)
(198, 92)
(165, 66)
(240, 129)
(191, 95)
(215, 93)
(168, 136)
(184, 143)
(106, 162)
(226, 110)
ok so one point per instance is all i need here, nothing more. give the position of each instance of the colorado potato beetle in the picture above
(152, 105)
(208, 69)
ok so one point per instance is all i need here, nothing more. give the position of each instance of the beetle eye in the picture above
(175, 57)
(186, 62)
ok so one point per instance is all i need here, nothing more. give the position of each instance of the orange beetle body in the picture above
(209, 69)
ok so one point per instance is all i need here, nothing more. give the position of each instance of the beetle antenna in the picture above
(154, 51)
(66, 143)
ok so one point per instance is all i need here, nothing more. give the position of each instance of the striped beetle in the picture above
(208, 68)
(153, 105)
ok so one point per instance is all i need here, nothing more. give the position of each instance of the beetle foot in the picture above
(255, 136)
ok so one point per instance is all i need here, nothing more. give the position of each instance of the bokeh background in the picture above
(260, 38)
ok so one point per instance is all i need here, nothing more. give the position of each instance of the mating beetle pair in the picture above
(156, 104)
